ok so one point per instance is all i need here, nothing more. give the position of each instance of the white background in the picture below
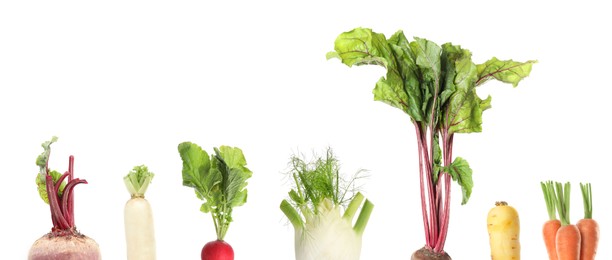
(122, 83)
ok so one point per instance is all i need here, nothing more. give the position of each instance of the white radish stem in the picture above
(138, 216)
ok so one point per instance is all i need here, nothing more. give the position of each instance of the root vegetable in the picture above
(68, 247)
(138, 216)
(217, 250)
(549, 232)
(550, 227)
(568, 236)
(220, 180)
(504, 232)
(588, 227)
(428, 254)
(64, 242)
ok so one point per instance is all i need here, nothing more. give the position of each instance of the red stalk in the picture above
(56, 212)
(421, 173)
(445, 213)
(71, 196)
(68, 191)
(58, 183)
(62, 214)
(435, 197)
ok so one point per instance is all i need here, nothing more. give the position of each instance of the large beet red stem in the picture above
(65, 200)
(58, 183)
(71, 196)
(56, 212)
(62, 206)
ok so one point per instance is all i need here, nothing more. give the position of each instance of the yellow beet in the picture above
(504, 232)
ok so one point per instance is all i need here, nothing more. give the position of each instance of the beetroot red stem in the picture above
(58, 184)
(56, 212)
(62, 214)
(66, 197)
(71, 196)
(422, 185)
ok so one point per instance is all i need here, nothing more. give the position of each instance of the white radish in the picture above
(138, 216)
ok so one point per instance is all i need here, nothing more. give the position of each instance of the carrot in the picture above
(550, 227)
(568, 242)
(568, 237)
(549, 232)
(588, 227)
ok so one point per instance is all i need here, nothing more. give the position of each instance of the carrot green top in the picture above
(587, 198)
(548, 189)
(563, 202)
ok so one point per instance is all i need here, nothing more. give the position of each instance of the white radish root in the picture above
(139, 231)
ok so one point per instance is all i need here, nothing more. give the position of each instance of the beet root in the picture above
(428, 254)
(67, 247)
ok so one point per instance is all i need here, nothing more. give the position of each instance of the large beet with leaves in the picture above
(436, 86)
(64, 242)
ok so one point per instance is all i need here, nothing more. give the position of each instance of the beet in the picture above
(428, 254)
(64, 242)
(71, 246)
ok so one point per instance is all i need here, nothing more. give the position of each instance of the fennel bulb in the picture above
(322, 232)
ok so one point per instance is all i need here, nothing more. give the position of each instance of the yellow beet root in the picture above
(504, 232)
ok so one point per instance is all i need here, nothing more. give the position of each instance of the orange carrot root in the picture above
(549, 232)
(568, 243)
(589, 233)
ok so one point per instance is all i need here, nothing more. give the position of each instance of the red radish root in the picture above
(217, 250)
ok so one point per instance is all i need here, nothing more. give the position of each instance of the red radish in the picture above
(64, 242)
(219, 180)
(217, 250)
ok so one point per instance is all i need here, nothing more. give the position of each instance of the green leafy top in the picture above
(43, 158)
(563, 202)
(318, 181)
(137, 181)
(461, 172)
(42, 162)
(548, 189)
(219, 179)
(320, 189)
(432, 84)
(587, 200)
